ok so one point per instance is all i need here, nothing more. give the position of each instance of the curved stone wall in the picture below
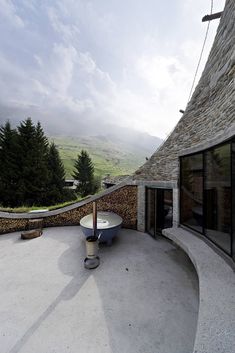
(211, 110)
(121, 200)
(216, 325)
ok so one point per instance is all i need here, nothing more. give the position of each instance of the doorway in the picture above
(159, 210)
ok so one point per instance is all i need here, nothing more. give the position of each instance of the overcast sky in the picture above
(129, 62)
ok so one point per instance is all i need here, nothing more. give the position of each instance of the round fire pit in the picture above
(108, 224)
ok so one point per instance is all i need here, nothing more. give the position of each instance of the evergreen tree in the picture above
(9, 168)
(33, 163)
(41, 140)
(56, 180)
(96, 184)
(31, 171)
(41, 161)
(84, 173)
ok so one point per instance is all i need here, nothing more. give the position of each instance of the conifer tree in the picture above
(33, 163)
(84, 173)
(31, 171)
(9, 168)
(41, 139)
(41, 161)
(56, 180)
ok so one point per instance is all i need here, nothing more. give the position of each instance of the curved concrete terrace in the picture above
(142, 298)
(216, 318)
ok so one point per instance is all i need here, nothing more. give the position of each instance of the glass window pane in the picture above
(233, 194)
(168, 208)
(163, 209)
(218, 196)
(159, 210)
(150, 226)
(191, 209)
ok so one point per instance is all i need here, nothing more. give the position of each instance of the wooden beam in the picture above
(212, 16)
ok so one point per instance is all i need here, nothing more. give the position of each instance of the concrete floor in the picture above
(142, 298)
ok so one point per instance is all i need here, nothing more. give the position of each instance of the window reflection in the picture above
(151, 211)
(159, 210)
(168, 208)
(218, 196)
(192, 191)
(207, 195)
(233, 197)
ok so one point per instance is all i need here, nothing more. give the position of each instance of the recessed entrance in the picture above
(159, 207)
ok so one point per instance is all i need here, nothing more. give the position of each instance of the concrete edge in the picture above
(172, 184)
(212, 245)
(216, 325)
(9, 215)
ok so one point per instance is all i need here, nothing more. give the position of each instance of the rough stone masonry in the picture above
(211, 110)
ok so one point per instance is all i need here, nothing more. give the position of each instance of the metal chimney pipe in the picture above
(92, 260)
(94, 219)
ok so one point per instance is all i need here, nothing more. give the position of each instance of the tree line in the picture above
(32, 172)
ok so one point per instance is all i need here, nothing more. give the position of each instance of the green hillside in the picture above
(109, 157)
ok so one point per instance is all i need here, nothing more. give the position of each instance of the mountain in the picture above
(115, 150)
(111, 153)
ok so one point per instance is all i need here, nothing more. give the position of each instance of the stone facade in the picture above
(122, 201)
(209, 118)
(210, 111)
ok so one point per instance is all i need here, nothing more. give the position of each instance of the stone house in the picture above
(190, 180)
(71, 184)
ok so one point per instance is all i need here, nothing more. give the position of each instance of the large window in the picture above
(151, 211)
(192, 191)
(218, 196)
(207, 194)
(233, 199)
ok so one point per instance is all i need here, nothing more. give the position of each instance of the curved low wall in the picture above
(121, 199)
(216, 317)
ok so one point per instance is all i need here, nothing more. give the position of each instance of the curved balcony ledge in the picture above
(216, 318)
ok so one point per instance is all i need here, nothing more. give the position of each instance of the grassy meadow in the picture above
(108, 157)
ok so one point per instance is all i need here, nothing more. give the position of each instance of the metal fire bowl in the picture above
(108, 225)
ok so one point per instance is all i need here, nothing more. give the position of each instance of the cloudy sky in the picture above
(123, 62)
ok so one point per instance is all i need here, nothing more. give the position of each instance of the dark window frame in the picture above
(180, 183)
(146, 210)
(155, 200)
(229, 141)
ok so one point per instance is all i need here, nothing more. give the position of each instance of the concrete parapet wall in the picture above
(120, 199)
(216, 324)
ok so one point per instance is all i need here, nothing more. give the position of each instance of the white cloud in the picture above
(86, 63)
(67, 31)
(90, 64)
(38, 60)
(61, 68)
(30, 4)
(8, 11)
(160, 72)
